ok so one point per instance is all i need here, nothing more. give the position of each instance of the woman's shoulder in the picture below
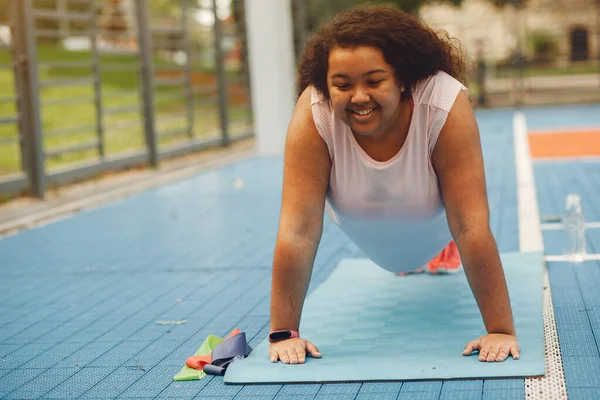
(438, 90)
(320, 105)
(316, 96)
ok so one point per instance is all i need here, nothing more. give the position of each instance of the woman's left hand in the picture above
(494, 347)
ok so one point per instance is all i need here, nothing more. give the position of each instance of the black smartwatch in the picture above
(277, 336)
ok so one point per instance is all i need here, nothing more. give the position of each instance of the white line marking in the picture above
(530, 233)
(559, 226)
(567, 258)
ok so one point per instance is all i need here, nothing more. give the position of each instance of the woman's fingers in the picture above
(313, 350)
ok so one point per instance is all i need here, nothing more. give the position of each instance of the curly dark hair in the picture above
(413, 49)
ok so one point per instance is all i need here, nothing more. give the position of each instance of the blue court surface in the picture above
(80, 298)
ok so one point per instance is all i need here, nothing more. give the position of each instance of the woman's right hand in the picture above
(292, 351)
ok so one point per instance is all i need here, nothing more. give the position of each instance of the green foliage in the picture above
(4, 9)
(322, 10)
(544, 46)
(48, 24)
(169, 8)
(502, 3)
(413, 6)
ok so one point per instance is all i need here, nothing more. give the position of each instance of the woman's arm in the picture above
(458, 162)
(305, 179)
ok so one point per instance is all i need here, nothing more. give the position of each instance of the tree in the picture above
(170, 8)
(413, 6)
(4, 7)
(322, 10)
(47, 24)
(502, 3)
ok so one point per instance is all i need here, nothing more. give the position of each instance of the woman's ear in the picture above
(401, 86)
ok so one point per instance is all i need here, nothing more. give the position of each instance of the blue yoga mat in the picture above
(371, 325)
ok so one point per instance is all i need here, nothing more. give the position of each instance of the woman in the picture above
(383, 134)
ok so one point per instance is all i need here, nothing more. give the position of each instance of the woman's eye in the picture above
(375, 83)
(342, 86)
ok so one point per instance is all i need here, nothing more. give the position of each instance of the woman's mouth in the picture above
(363, 114)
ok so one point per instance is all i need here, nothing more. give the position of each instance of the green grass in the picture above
(122, 132)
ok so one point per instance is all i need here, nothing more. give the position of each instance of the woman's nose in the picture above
(360, 95)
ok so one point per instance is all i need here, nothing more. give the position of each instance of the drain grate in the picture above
(552, 386)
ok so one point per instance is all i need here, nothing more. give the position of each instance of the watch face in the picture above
(280, 335)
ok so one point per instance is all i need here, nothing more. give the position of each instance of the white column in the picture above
(272, 71)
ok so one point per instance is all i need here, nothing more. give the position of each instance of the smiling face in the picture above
(363, 90)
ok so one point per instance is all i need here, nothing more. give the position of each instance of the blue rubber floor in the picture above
(79, 299)
(575, 287)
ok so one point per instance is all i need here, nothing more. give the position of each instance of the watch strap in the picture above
(276, 336)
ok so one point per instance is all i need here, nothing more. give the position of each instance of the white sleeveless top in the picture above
(391, 210)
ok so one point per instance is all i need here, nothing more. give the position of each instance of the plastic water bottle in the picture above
(574, 225)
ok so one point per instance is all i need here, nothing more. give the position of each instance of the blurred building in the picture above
(549, 31)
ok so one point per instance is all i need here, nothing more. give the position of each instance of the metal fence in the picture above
(524, 52)
(102, 85)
